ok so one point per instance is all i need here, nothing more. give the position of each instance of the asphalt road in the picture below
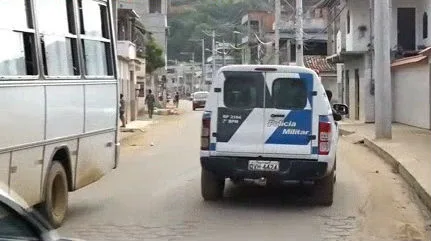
(155, 195)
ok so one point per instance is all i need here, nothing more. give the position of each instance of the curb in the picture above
(402, 171)
(398, 168)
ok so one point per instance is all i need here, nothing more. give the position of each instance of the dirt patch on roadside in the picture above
(391, 210)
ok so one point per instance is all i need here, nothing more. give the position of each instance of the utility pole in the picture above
(193, 72)
(299, 34)
(224, 54)
(383, 86)
(277, 32)
(203, 75)
(214, 55)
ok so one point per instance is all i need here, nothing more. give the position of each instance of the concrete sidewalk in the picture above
(143, 122)
(409, 152)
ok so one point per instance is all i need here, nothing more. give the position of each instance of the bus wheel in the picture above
(56, 195)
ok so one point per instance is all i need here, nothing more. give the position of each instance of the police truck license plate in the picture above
(272, 166)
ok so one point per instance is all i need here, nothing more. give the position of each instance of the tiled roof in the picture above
(416, 59)
(319, 63)
(409, 60)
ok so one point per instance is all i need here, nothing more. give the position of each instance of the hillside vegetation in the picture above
(188, 19)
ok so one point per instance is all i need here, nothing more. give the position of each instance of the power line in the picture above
(333, 20)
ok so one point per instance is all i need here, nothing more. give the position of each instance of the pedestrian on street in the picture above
(150, 101)
(122, 110)
(177, 99)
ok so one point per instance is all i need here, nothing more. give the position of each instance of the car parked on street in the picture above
(199, 99)
(20, 222)
(272, 123)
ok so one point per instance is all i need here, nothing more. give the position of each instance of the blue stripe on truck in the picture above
(212, 146)
(295, 129)
(309, 80)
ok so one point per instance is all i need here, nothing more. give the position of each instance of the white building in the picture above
(153, 15)
(410, 33)
(130, 66)
(184, 77)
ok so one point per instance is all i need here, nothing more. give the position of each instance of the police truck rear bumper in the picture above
(289, 169)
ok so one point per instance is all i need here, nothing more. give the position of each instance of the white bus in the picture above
(58, 99)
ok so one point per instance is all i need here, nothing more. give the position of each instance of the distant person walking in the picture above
(150, 101)
(177, 99)
(122, 110)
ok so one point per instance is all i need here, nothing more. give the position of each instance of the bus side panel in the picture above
(4, 171)
(100, 107)
(23, 115)
(96, 154)
(65, 111)
(25, 179)
(95, 158)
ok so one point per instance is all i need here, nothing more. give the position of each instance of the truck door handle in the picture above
(277, 115)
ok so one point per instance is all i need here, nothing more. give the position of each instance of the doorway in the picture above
(347, 89)
(357, 100)
(406, 22)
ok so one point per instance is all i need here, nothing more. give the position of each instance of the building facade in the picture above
(255, 25)
(352, 48)
(153, 15)
(131, 64)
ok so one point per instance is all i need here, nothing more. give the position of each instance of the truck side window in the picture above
(289, 94)
(243, 90)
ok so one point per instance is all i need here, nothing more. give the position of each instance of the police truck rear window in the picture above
(243, 89)
(289, 94)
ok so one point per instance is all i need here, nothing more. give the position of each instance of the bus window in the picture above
(95, 35)
(17, 40)
(58, 37)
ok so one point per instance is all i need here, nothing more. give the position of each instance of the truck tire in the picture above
(324, 190)
(56, 195)
(212, 187)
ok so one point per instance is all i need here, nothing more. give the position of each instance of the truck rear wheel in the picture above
(56, 195)
(212, 187)
(324, 190)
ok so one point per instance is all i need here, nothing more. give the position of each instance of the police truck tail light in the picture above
(205, 132)
(324, 136)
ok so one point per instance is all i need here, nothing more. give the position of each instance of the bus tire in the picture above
(56, 195)
(212, 187)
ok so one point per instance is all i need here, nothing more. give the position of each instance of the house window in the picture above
(95, 35)
(254, 26)
(425, 26)
(348, 21)
(155, 6)
(17, 34)
(58, 38)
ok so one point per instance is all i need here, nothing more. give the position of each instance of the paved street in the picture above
(155, 195)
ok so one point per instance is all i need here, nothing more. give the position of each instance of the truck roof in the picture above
(277, 68)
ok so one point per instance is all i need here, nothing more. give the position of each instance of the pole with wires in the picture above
(299, 34)
(277, 32)
(224, 54)
(382, 63)
(203, 75)
(214, 55)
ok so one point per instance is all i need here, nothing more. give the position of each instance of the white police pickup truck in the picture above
(270, 122)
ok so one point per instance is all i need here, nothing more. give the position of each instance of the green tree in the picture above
(153, 56)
